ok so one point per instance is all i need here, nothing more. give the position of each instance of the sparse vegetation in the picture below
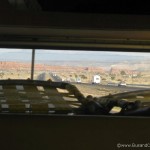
(123, 72)
(113, 77)
(16, 70)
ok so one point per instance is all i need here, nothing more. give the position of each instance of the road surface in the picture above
(55, 78)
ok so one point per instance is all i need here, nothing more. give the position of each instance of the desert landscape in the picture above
(65, 72)
(131, 74)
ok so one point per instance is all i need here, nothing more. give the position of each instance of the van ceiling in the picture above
(84, 6)
(96, 6)
(76, 24)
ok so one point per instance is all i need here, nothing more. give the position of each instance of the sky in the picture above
(61, 55)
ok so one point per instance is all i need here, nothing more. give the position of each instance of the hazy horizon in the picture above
(62, 57)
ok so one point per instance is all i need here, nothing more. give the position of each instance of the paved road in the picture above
(55, 78)
(112, 87)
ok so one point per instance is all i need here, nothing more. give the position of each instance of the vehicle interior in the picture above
(74, 75)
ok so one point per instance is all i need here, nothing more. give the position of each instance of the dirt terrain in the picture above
(119, 73)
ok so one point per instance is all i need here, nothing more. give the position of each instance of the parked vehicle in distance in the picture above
(96, 79)
(54, 74)
(122, 84)
(78, 80)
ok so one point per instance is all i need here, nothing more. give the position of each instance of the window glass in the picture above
(15, 64)
(104, 69)
(74, 82)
